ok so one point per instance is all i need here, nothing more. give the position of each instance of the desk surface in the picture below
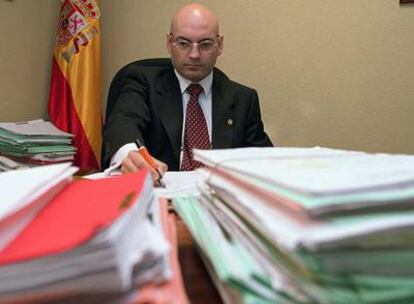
(199, 287)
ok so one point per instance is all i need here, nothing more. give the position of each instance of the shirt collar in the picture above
(206, 82)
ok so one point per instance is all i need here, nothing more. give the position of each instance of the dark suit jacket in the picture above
(150, 108)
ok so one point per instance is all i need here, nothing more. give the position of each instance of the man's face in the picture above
(194, 50)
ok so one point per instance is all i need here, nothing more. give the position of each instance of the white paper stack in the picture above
(306, 225)
(23, 193)
(94, 237)
(34, 142)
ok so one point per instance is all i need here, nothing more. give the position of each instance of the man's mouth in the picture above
(193, 66)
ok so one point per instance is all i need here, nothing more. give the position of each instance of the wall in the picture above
(336, 73)
(27, 30)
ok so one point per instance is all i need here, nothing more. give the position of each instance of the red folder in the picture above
(74, 216)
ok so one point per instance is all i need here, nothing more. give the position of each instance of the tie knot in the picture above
(195, 89)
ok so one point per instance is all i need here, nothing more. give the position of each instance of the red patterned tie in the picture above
(196, 132)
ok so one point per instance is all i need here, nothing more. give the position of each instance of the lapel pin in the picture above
(229, 122)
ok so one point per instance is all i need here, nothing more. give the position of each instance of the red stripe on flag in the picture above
(62, 113)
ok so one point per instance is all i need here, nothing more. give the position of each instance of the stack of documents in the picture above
(25, 192)
(297, 225)
(94, 237)
(34, 142)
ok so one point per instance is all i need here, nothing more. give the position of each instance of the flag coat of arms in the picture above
(75, 103)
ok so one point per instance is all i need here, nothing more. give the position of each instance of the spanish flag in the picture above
(75, 103)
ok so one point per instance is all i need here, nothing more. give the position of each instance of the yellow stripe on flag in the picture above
(77, 54)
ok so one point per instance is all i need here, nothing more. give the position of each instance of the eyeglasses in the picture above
(186, 46)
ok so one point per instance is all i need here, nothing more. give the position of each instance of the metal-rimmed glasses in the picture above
(186, 46)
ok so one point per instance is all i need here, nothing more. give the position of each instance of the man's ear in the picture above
(221, 45)
(168, 43)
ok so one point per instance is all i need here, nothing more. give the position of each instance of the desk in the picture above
(199, 287)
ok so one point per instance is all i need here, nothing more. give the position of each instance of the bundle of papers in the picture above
(25, 192)
(34, 142)
(297, 225)
(94, 237)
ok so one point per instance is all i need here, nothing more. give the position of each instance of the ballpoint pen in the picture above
(142, 150)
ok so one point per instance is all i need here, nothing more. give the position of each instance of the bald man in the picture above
(153, 102)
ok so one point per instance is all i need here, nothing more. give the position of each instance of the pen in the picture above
(142, 150)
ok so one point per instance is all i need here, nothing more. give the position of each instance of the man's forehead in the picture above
(194, 25)
(195, 31)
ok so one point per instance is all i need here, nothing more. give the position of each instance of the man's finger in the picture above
(161, 167)
(127, 166)
(133, 162)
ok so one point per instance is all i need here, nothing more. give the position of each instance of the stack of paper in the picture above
(306, 225)
(34, 142)
(94, 237)
(25, 192)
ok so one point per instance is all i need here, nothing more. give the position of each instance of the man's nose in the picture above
(195, 52)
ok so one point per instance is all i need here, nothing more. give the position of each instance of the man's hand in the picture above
(134, 162)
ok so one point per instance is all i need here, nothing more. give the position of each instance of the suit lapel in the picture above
(222, 114)
(171, 109)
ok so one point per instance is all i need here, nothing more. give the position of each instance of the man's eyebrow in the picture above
(182, 38)
(189, 40)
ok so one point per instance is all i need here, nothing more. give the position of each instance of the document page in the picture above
(181, 183)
